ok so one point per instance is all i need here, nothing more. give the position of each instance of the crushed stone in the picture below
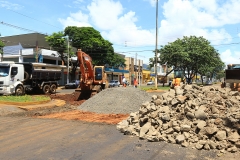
(116, 100)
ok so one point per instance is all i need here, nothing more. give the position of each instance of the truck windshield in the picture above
(4, 71)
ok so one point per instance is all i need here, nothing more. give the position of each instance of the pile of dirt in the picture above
(190, 115)
(69, 98)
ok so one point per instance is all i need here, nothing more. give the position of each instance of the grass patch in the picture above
(146, 88)
(25, 98)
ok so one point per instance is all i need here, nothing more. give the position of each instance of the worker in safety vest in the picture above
(135, 83)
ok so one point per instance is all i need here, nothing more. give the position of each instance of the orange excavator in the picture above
(232, 77)
(93, 79)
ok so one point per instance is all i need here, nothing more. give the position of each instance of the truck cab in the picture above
(11, 75)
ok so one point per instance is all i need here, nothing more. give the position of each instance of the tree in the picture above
(1, 47)
(220, 74)
(89, 41)
(191, 55)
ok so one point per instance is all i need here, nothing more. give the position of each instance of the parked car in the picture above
(150, 83)
(127, 83)
(114, 83)
(72, 85)
(209, 82)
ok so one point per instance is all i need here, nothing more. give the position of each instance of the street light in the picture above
(156, 44)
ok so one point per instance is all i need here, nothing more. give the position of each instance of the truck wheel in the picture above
(19, 91)
(53, 88)
(46, 89)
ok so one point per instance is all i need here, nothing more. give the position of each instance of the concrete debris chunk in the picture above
(205, 118)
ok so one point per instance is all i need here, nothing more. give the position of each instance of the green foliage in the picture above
(58, 42)
(25, 98)
(91, 42)
(192, 55)
(88, 40)
(149, 88)
(220, 75)
(1, 46)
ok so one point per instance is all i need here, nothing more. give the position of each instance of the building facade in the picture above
(33, 48)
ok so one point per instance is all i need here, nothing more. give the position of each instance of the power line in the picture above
(34, 19)
(21, 28)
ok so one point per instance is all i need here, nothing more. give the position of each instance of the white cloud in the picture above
(78, 1)
(76, 19)
(116, 27)
(229, 57)
(198, 17)
(205, 18)
(152, 2)
(105, 13)
(9, 5)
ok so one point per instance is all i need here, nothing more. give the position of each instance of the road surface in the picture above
(30, 138)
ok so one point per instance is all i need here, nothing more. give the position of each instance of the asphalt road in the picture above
(38, 139)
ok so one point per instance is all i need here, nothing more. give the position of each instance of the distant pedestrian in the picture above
(124, 82)
(135, 83)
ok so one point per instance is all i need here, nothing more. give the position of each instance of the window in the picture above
(4, 71)
(98, 73)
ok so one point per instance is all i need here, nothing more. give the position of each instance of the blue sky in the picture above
(131, 24)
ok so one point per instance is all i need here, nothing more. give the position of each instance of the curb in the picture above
(150, 91)
(50, 104)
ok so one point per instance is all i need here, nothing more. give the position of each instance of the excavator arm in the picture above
(86, 68)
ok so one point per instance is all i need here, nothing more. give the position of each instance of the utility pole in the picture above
(67, 59)
(136, 66)
(156, 45)
(139, 73)
(36, 56)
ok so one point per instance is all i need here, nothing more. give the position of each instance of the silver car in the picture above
(150, 83)
(114, 83)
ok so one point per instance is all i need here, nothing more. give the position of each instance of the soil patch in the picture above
(73, 114)
(69, 98)
(88, 117)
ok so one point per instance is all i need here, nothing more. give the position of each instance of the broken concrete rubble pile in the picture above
(189, 115)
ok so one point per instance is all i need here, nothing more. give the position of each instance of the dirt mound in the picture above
(69, 98)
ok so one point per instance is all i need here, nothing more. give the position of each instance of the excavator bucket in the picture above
(77, 94)
(82, 94)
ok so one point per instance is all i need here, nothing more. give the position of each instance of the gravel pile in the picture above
(116, 100)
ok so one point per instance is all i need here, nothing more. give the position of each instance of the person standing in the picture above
(124, 81)
(135, 83)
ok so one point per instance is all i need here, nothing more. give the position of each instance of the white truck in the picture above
(20, 78)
